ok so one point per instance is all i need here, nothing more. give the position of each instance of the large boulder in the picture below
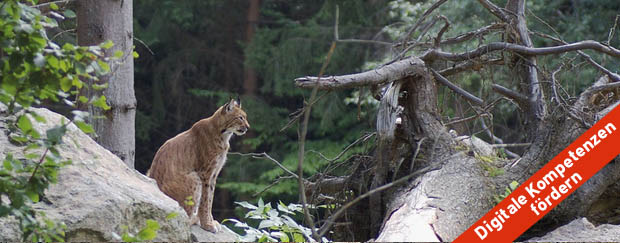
(98, 194)
(581, 230)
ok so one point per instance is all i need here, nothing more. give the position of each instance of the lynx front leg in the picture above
(186, 186)
(204, 212)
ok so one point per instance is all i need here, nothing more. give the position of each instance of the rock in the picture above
(98, 194)
(224, 235)
(581, 230)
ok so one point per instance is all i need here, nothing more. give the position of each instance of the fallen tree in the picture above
(422, 176)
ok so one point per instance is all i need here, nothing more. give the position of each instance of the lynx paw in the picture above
(212, 226)
(194, 220)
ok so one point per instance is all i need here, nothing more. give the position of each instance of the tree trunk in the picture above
(99, 21)
(249, 74)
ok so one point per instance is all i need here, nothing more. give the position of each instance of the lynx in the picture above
(186, 166)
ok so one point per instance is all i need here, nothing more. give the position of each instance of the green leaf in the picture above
(246, 205)
(101, 103)
(32, 156)
(68, 47)
(38, 117)
(107, 44)
(83, 99)
(135, 54)
(69, 13)
(53, 6)
(514, 185)
(54, 135)
(298, 237)
(33, 195)
(24, 123)
(53, 61)
(284, 237)
(7, 165)
(172, 215)
(86, 128)
(147, 234)
(118, 54)
(65, 84)
(104, 65)
(98, 87)
(152, 224)
(267, 224)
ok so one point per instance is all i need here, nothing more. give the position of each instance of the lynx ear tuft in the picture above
(238, 101)
(232, 103)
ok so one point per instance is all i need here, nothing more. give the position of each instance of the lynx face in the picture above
(236, 120)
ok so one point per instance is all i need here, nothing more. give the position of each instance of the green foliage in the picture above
(511, 187)
(273, 224)
(35, 69)
(147, 233)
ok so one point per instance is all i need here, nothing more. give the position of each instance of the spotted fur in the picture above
(188, 164)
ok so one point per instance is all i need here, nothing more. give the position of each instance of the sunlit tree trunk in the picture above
(99, 21)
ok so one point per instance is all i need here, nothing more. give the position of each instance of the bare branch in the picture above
(615, 77)
(603, 87)
(612, 31)
(457, 89)
(45, 7)
(496, 139)
(422, 18)
(495, 10)
(363, 138)
(534, 51)
(461, 37)
(441, 31)
(470, 64)
(374, 42)
(470, 35)
(557, 97)
(516, 96)
(388, 73)
(505, 145)
(466, 119)
(264, 155)
(332, 219)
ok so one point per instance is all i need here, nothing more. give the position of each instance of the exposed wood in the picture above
(389, 73)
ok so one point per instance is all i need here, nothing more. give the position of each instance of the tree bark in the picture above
(99, 21)
(249, 74)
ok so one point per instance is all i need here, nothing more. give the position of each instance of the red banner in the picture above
(550, 185)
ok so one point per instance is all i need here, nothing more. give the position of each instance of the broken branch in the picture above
(516, 96)
(388, 73)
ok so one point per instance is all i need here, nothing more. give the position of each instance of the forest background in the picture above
(195, 54)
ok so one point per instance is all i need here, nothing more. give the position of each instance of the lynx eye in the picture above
(241, 118)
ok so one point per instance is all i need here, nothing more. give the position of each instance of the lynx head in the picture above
(235, 118)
